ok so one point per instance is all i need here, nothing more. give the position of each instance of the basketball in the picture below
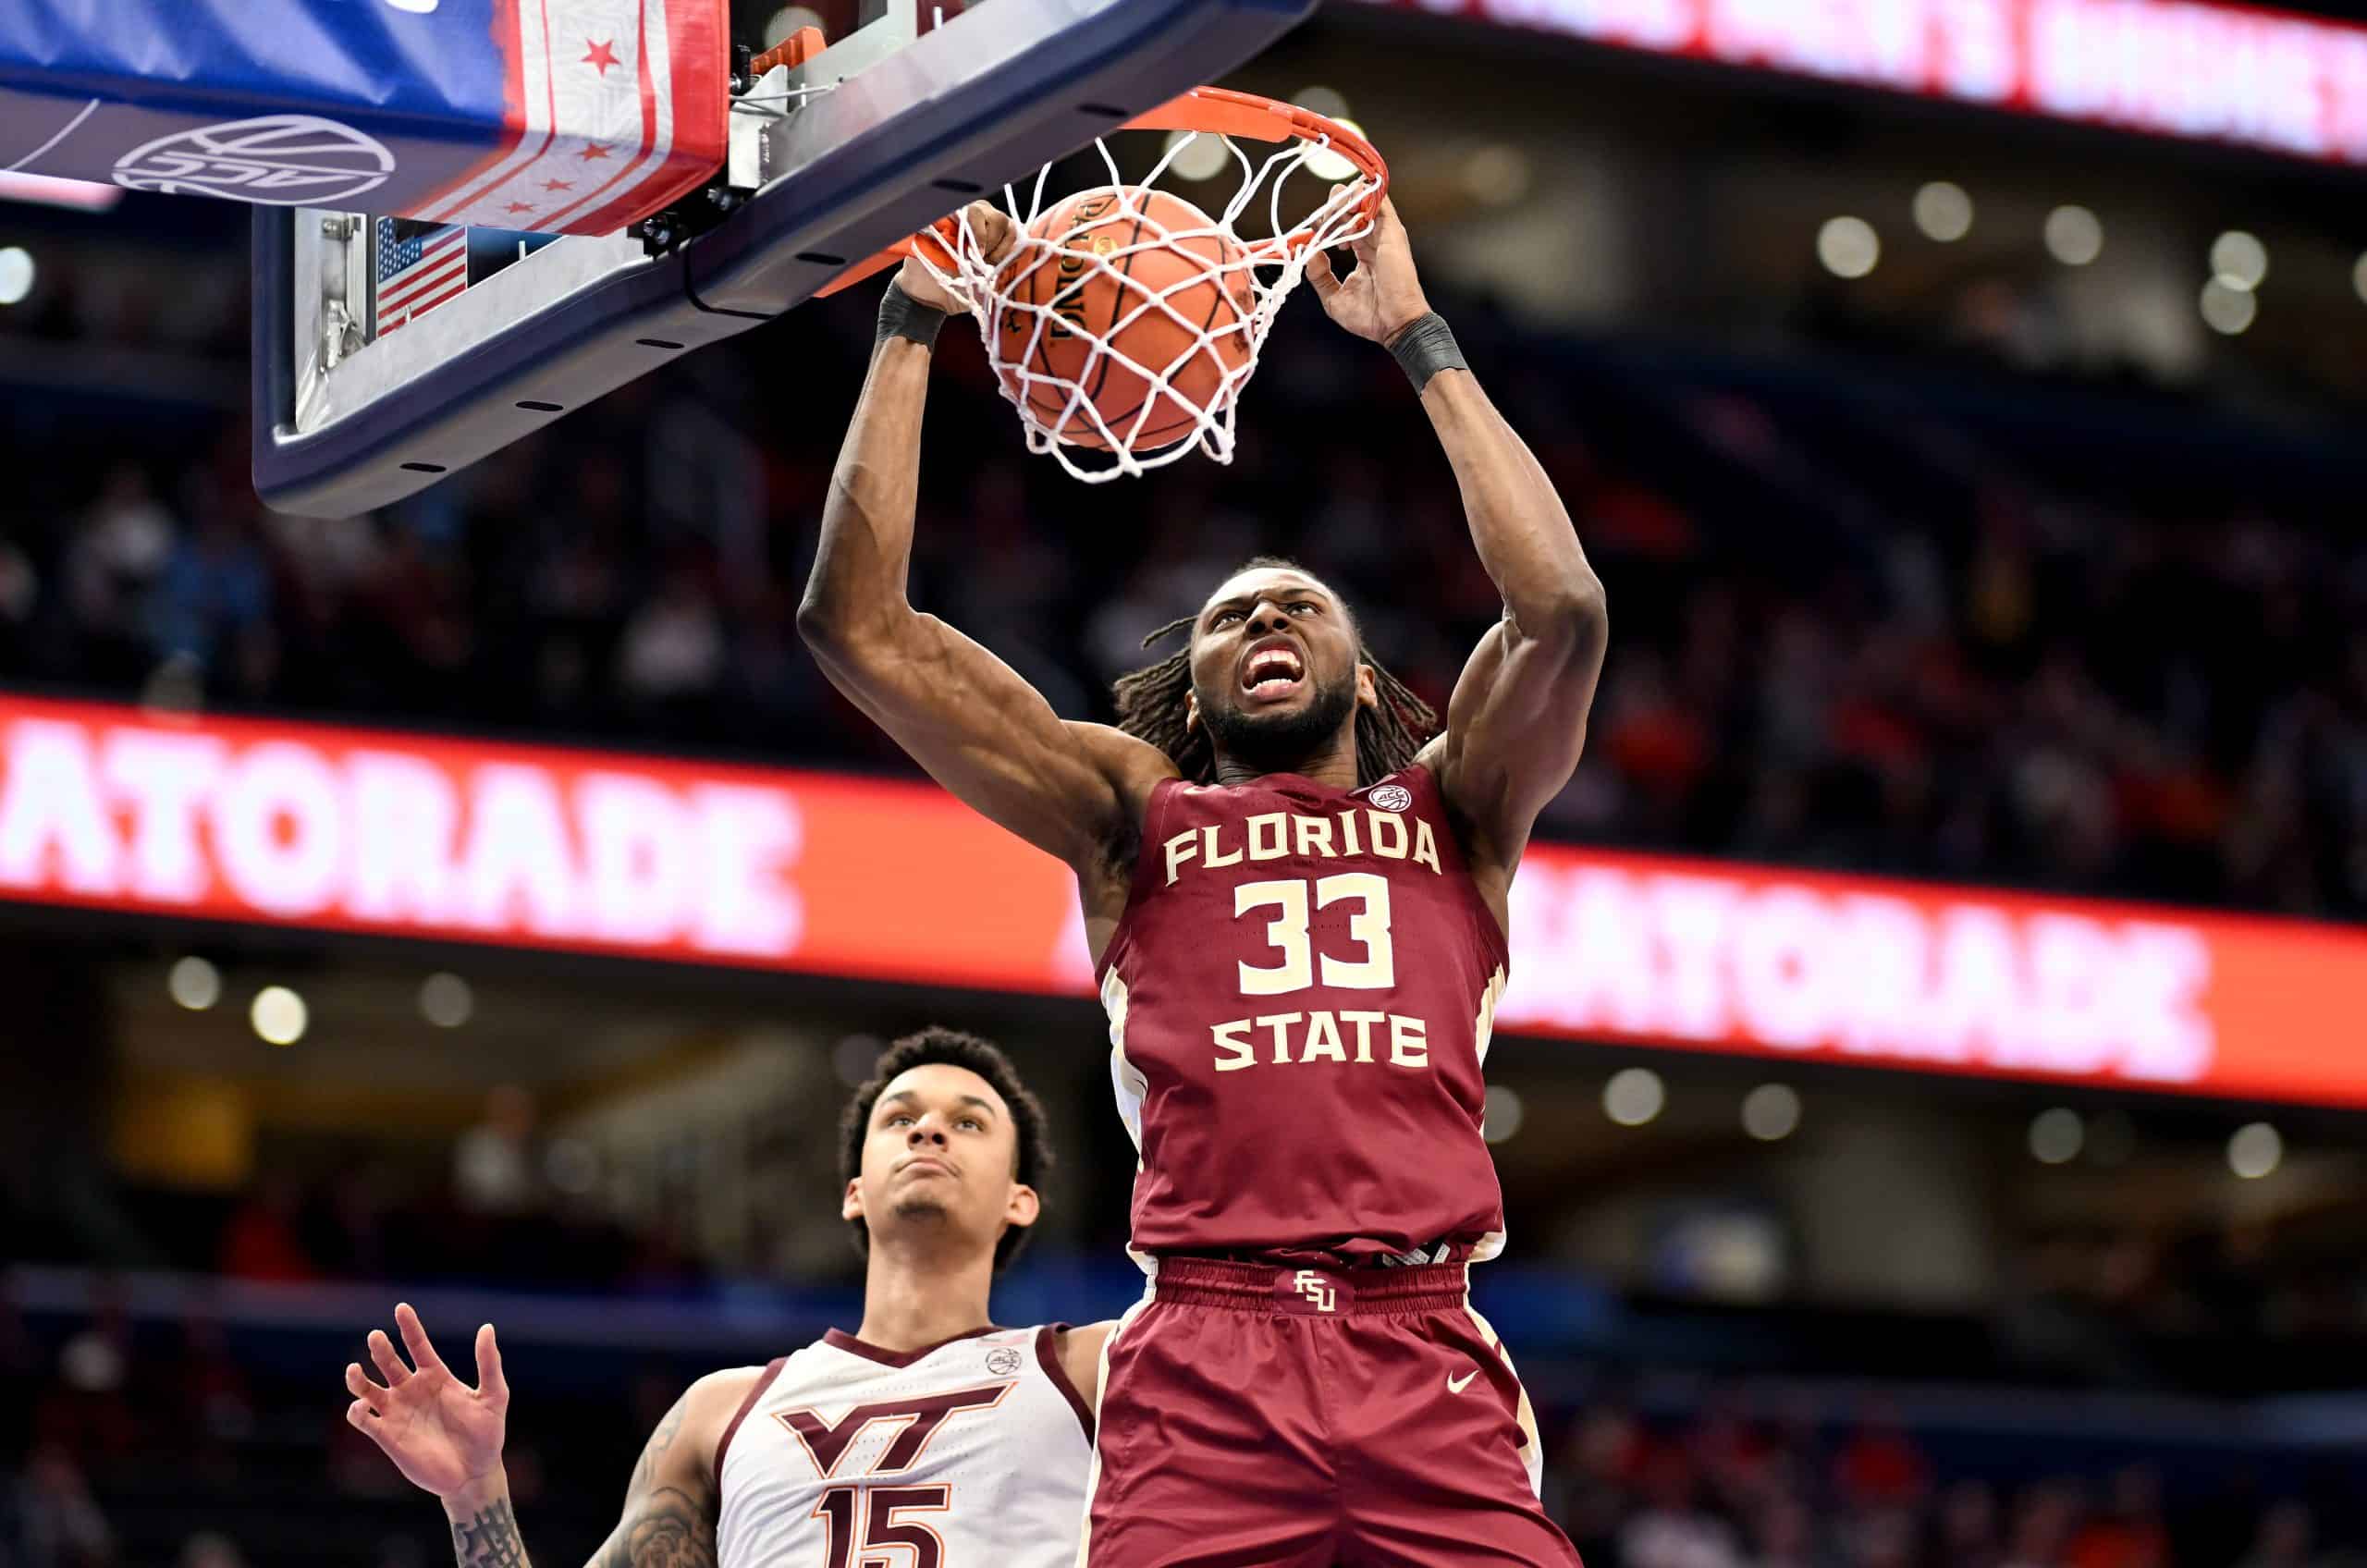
(1158, 247)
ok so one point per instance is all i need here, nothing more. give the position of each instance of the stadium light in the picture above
(446, 1000)
(1324, 164)
(1771, 1112)
(194, 983)
(278, 1015)
(1203, 157)
(1499, 1118)
(17, 272)
(1634, 1096)
(2055, 1137)
(2074, 236)
(2227, 310)
(1943, 210)
(2238, 260)
(2254, 1151)
(1849, 246)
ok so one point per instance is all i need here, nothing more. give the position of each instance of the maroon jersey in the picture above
(1300, 995)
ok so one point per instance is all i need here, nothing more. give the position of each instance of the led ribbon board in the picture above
(2238, 74)
(302, 826)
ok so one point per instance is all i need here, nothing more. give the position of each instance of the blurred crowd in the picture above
(507, 1205)
(132, 1442)
(1882, 617)
(2185, 1302)
(1718, 1490)
(148, 1444)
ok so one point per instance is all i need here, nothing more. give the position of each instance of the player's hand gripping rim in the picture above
(1382, 296)
(988, 230)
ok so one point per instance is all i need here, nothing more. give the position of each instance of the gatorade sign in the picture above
(306, 825)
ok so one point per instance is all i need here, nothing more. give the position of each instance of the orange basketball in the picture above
(1157, 245)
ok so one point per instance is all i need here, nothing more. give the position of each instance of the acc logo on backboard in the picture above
(278, 160)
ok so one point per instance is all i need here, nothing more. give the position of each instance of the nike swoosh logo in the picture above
(1456, 1385)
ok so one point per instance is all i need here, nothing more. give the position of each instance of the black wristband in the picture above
(1426, 346)
(901, 315)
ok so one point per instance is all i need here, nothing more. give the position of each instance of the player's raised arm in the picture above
(963, 714)
(446, 1438)
(1517, 720)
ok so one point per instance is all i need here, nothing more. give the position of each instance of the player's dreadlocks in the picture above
(1151, 706)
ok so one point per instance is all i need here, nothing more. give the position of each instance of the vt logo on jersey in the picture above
(826, 1441)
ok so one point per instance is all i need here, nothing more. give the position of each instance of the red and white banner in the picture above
(615, 109)
(2216, 72)
(554, 117)
(353, 831)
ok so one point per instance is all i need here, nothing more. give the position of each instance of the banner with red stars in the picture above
(555, 116)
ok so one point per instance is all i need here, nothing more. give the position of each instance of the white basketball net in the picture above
(1268, 269)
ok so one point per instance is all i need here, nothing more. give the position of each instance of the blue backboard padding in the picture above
(1062, 71)
(86, 85)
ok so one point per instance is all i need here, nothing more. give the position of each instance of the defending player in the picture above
(1296, 899)
(929, 1434)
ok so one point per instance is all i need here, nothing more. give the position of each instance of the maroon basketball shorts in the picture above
(1260, 1416)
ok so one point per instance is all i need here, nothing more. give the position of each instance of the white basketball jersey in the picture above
(968, 1454)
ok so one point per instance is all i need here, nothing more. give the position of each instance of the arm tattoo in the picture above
(670, 1529)
(489, 1541)
(659, 1442)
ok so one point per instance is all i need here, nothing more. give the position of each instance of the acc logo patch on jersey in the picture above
(1391, 797)
(1002, 1361)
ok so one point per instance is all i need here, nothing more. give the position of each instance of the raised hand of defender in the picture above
(994, 232)
(1382, 297)
(442, 1434)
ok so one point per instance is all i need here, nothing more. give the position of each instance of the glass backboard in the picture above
(388, 354)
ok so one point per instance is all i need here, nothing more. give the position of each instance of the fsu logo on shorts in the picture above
(277, 161)
(1002, 1361)
(1392, 797)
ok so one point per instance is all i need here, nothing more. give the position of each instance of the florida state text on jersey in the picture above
(1300, 995)
(968, 1454)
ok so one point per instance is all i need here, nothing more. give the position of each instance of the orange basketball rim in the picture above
(1124, 320)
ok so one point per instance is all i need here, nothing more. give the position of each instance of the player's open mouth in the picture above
(1272, 670)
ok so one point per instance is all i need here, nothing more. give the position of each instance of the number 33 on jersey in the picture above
(1300, 994)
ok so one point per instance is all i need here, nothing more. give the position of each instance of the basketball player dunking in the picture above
(930, 1438)
(1295, 895)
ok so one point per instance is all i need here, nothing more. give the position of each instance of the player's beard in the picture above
(1284, 742)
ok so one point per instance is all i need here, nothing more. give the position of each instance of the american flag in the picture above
(419, 266)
